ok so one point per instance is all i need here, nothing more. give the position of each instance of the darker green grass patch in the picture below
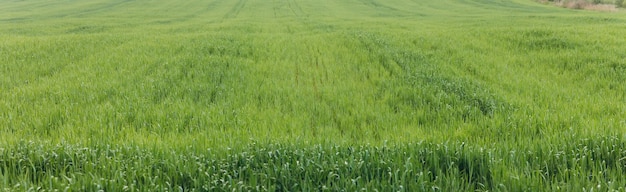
(420, 84)
(286, 167)
(535, 39)
(87, 29)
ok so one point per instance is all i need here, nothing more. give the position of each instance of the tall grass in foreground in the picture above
(569, 164)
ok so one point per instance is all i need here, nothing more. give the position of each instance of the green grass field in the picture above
(311, 95)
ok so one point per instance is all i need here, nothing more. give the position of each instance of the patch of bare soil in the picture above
(582, 4)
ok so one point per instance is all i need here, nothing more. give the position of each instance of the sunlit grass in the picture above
(479, 95)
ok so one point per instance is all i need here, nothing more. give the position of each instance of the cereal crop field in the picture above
(311, 95)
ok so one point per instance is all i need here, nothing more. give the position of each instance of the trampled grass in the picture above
(301, 95)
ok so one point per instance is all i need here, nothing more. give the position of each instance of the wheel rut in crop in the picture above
(197, 14)
(234, 12)
(384, 9)
(104, 8)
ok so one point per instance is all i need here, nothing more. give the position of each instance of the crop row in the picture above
(570, 164)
